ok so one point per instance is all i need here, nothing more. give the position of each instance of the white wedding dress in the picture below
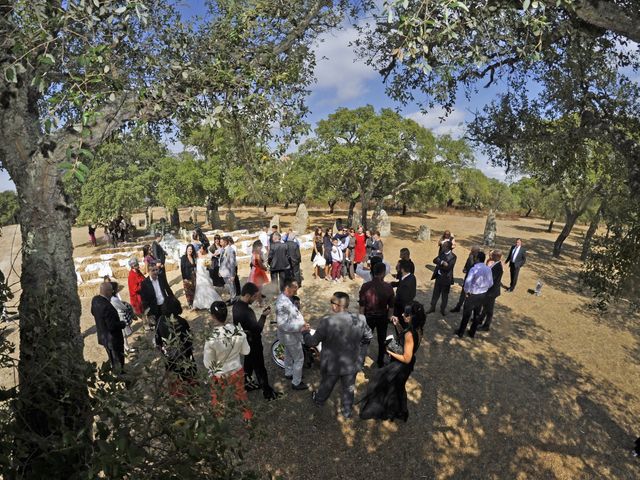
(205, 292)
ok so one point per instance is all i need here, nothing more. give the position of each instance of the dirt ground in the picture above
(551, 392)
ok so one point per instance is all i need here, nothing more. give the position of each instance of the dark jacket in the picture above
(441, 272)
(405, 293)
(293, 250)
(173, 338)
(520, 260)
(148, 295)
(244, 315)
(158, 252)
(187, 269)
(279, 257)
(496, 273)
(345, 338)
(108, 324)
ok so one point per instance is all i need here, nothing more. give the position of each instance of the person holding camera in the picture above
(244, 315)
(386, 395)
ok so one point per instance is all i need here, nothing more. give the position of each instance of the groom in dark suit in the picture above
(516, 259)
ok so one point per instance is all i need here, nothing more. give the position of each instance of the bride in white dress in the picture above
(205, 292)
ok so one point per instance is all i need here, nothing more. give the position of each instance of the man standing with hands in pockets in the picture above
(290, 324)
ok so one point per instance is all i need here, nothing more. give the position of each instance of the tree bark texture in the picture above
(550, 227)
(332, 204)
(593, 226)
(404, 209)
(52, 412)
(175, 218)
(352, 205)
(528, 212)
(564, 233)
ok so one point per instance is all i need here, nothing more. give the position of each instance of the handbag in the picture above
(393, 345)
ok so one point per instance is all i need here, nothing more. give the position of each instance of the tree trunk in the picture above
(528, 212)
(550, 227)
(147, 218)
(286, 205)
(352, 205)
(404, 209)
(593, 226)
(566, 230)
(53, 400)
(332, 204)
(264, 208)
(213, 217)
(175, 218)
(52, 413)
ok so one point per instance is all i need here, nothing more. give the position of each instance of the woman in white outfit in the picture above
(205, 292)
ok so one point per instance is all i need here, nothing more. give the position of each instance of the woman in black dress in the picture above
(386, 396)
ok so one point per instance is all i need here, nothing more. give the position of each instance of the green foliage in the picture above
(9, 207)
(528, 194)
(429, 49)
(181, 181)
(139, 430)
(475, 188)
(612, 270)
(110, 191)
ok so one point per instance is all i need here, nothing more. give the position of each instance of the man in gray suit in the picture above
(345, 338)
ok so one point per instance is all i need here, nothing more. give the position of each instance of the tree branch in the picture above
(608, 15)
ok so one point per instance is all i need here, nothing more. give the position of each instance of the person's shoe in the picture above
(313, 399)
(272, 395)
(483, 328)
(455, 310)
(300, 386)
(431, 310)
(460, 334)
(288, 377)
(251, 386)
(443, 313)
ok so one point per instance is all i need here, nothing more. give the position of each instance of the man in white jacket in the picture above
(290, 324)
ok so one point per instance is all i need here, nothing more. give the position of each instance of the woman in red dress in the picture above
(136, 278)
(258, 275)
(361, 248)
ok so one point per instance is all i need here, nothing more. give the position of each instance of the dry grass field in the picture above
(553, 391)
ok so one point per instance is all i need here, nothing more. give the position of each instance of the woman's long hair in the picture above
(418, 316)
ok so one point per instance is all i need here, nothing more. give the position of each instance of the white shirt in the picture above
(264, 239)
(289, 319)
(336, 254)
(158, 290)
(515, 253)
(224, 348)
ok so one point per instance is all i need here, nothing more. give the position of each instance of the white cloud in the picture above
(453, 125)
(340, 76)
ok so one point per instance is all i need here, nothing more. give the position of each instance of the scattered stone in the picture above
(275, 221)
(424, 233)
(490, 228)
(302, 219)
(384, 224)
(230, 221)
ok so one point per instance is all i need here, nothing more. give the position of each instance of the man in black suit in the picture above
(516, 259)
(493, 292)
(108, 326)
(405, 289)
(443, 275)
(160, 255)
(278, 260)
(154, 291)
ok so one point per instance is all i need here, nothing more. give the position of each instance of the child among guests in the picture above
(337, 256)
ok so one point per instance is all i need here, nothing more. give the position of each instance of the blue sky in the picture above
(343, 81)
